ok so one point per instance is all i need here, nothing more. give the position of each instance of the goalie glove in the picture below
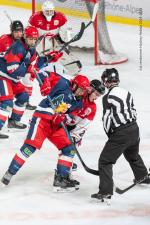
(65, 33)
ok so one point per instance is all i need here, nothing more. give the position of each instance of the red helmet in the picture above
(81, 81)
(31, 32)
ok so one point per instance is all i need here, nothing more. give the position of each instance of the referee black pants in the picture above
(125, 140)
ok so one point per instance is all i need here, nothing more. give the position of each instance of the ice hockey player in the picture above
(54, 25)
(86, 115)
(6, 40)
(119, 121)
(65, 97)
(17, 61)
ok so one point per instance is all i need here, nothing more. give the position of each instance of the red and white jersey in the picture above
(84, 118)
(39, 21)
(6, 41)
(88, 111)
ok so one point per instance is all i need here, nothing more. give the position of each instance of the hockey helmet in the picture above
(31, 32)
(81, 81)
(110, 75)
(98, 86)
(16, 25)
(48, 9)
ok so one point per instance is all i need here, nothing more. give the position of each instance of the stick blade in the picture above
(119, 191)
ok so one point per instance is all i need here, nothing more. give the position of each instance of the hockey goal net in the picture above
(95, 36)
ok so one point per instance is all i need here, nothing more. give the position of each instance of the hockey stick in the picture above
(95, 10)
(89, 170)
(7, 15)
(75, 38)
(122, 191)
(80, 33)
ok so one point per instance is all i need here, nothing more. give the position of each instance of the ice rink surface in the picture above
(29, 198)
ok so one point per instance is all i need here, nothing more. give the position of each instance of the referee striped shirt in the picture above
(118, 109)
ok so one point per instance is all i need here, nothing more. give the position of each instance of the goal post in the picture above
(96, 36)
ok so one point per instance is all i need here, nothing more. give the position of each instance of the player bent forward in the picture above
(66, 97)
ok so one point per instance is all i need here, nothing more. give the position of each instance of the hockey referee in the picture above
(119, 121)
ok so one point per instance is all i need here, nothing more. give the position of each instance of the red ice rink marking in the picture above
(101, 213)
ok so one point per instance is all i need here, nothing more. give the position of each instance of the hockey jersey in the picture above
(6, 41)
(39, 21)
(16, 60)
(83, 119)
(60, 94)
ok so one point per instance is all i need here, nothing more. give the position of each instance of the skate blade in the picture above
(64, 190)
(2, 185)
(15, 130)
(75, 169)
(104, 202)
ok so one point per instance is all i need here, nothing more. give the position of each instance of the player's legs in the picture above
(132, 154)
(27, 81)
(62, 181)
(22, 98)
(6, 103)
(34, 140)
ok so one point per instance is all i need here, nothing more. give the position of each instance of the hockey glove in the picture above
(77, 137)
(54, 56)
(45, 87)
(70, 120)
(33, 70)
(58, 118)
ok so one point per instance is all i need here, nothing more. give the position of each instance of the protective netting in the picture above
(78, 11)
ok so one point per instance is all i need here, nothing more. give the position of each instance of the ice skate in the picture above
(14, 125)
(3, 136)
(102, 198)
(64, 184)
(145, 181)
(30, 107)
(6, 178)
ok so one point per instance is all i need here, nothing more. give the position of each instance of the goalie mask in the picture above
(48, 10)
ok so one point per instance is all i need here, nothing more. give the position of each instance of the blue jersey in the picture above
(61, 92)
(16, 60)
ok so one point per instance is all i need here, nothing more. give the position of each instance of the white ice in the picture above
(29, 198)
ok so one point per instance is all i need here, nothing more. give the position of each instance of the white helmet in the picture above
(48, 9)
